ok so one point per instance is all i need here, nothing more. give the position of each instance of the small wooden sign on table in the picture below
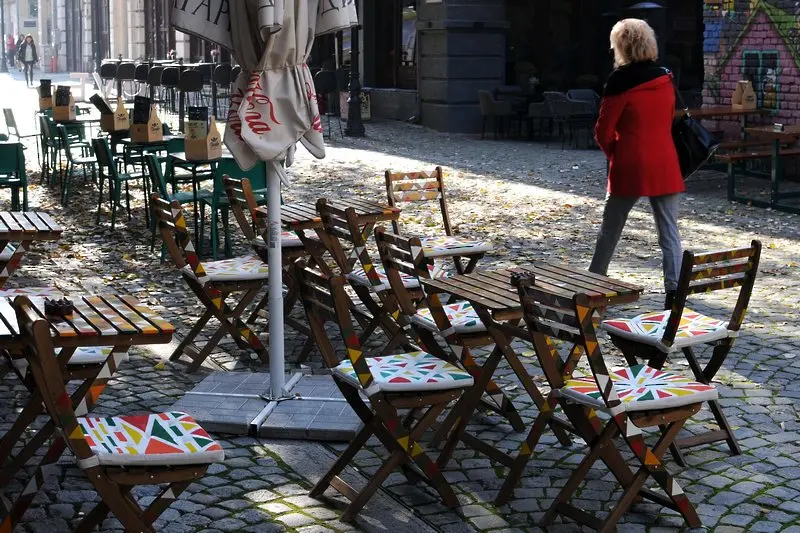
(45, 90)
(111, 120)
(744, 97)
(64, 105)
(146, 127)
(203, 141)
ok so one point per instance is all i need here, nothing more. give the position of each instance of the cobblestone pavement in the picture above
(532, 202)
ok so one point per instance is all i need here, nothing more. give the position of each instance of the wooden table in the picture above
(789, 135)
(720, 111)
(20, 230)
(497, 304)
(118, 321)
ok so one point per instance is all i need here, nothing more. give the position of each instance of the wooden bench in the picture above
(776, 175)
(759, 154)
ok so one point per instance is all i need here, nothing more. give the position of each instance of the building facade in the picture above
(754, 40)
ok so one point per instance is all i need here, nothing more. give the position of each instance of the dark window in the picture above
(761, 67)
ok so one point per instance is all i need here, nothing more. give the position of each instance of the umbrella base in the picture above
(235, 403)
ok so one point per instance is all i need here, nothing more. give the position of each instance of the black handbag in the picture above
(694, 144)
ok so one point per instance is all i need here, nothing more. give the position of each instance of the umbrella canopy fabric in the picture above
(273, 101)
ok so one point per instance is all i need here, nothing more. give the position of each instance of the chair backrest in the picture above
(554, 96)
(12, 159)
(222, 74)
(240, 197)
(63, 136)
(141, 73)
(108, 71)
(173, 228)
(402, 255)
(170, 77)
(553, 314)
(156, 176)
(190, 81)
(105, 159)
(154, 76)
(205, 70)
(346, 241)
(585, 95)
(46, 130)
(126, 72)
(325, 300)
(418, 187)
(487, 102)
(11, 123)
(712, 271)
(325, 82)
(235, 71)
(46, 372)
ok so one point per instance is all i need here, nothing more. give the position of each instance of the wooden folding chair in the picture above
(424, 187)
(346, 241)
(242, 201)
(457, 322)
(634, 398)
(117, 453)
(417, 381)
(212, 282)
(656, 335)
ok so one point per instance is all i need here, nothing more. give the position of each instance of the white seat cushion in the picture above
(695, 328)
(289, 239)
(449, 245)
(409, 372)
(409, 282)
(461, 316)
(150, 440)
(247, 268)
(641, 388)
(7, 252)
(94, 355)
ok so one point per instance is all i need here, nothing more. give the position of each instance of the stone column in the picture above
(182, 48)
(136, 33)
(60, 33)
(87, 63)
(118, 16)
(462, 48)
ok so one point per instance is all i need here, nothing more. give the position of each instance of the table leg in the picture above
(198, 242)
(8, 267)
(777, 172)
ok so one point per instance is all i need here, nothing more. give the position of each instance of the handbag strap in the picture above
(678, 96)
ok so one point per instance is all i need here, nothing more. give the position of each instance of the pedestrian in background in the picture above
(16, 49)
(634, 131)
(10, 51)
(27, 54)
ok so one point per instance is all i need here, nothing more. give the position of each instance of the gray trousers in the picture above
(665, 212)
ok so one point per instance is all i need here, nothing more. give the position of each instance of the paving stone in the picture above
(295, 520)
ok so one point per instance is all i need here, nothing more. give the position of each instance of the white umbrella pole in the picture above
(275, 262)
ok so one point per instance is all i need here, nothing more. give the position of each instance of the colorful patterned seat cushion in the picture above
(461, 316)
(163, 439)
(409, 372)
(7, 252)
(247, 268)
(448, 245)
(641, 388)
(409, 282)
(695, 328)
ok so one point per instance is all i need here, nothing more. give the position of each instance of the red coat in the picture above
(634, 130)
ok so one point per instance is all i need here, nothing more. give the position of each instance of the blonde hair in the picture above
(633, 40)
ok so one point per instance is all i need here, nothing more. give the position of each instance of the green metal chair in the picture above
(83, 160)
(159, 184)
(12, 173)
(11, 126)
(108, 171)
(218, 201)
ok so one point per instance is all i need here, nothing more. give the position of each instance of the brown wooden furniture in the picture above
(655, 335)
(212, 282)
(242, 201)
(117, 453)
(497, 304)
(402, 258)
(109, 321)
(421, 187)
(633, 398)
(721, 111)
(17, 232)
(346, 239)
(416, 381)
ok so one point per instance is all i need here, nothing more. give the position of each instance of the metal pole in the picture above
(277, 377)
(4, 65)
(355, 127)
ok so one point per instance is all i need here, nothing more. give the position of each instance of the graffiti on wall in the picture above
(757, 40)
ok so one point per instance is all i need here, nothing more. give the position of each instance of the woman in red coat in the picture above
(634, 132)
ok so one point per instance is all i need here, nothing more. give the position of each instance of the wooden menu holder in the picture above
(744, 97)
(116, 121)
(149, 132)
(204, 148)
(45, 102)
(64, 113)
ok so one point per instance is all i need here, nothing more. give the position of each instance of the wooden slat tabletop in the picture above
(492, 289)
(104, 320)
(303, 215)
(29, 226)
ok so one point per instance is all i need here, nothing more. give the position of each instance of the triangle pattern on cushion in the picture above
(694, 328)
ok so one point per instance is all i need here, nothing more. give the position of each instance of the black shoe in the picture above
(669, 299)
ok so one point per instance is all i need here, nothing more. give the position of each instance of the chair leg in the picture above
(213, 232)
(483, 128)
(226, 228)
(100, 202)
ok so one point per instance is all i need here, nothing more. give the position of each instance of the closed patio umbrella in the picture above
(273, 103)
